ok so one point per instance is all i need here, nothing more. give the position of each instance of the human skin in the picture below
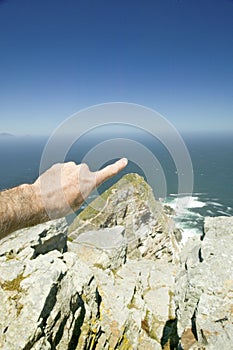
(56, 193)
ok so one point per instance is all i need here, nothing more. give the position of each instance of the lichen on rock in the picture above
(150, 233)
(118, 280)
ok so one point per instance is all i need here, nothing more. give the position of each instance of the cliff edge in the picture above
(117, 278)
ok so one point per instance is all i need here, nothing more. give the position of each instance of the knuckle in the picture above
(56, 165)
(113, 170)
(69, 166)
(71, 163)
(85, 167)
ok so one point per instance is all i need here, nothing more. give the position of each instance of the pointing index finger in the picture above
(110, 170)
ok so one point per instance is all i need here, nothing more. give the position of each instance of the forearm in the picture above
(19, 208)
(56, 193)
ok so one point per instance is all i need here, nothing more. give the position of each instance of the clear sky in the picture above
(59, 56)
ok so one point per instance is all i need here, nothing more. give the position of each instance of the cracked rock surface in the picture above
(150, 233)
(204, 288)
(119, 280)
(42, 296)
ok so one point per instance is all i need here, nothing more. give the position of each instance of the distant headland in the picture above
(5, 134)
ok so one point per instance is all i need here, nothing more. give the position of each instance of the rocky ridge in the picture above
(119, 279)
(150, 233)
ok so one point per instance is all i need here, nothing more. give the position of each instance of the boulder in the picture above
(30, 242)
(105, 248)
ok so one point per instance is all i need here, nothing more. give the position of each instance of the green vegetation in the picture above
(94, 212)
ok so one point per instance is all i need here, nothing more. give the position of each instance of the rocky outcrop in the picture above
(46, 293)
(120, 281)
(136, 298)
(150, 233)
(204, 288)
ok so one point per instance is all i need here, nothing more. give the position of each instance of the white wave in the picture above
(223, 213)
(215, 204)
(186, 219)
(195, 203)
(192, 215)
(188, 233)
(189, 217)
(210, 212)
(189, 220)
(180, 205)
(199, 193)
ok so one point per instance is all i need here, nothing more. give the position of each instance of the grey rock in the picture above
(45, 299)
(150, 233)
(137, 301)
(121, 281)
(104, 248)
(30, 242)
(204, 289)
(88, 292)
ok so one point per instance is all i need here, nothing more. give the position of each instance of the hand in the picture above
(63, 188)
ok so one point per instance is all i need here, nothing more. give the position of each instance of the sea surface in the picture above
(212, 161)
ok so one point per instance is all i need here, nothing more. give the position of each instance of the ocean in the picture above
(212, 161)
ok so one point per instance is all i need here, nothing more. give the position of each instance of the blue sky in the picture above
(57, 57)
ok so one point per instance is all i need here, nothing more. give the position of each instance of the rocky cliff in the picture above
(118, 278)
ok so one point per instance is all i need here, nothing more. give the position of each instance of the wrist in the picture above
(20, 208)
(51, 203)
(38, 206)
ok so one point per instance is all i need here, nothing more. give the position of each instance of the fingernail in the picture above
(125, 161)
